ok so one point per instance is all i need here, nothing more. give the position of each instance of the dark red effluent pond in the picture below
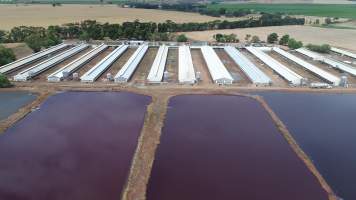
(225, 148)
(77, 146)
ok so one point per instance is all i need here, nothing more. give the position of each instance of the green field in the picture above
(322, 10)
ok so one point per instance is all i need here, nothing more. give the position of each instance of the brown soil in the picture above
(94, 61)
(43, 76)
(233, 68)
(172, 66)
(20, 49)
(200, 66)
(118, 64)
(276, 79)
(296, 68)
(144, 67)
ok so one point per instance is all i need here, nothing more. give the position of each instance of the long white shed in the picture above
(251, 70)
(283, 71)
(45, 65)
(76, 64)
(186, 73)
(343, 52)
(315, 70)
(99, 68)
(216, 68)
(156, 73)
(130, 66)
(333, 63)
(31, 58)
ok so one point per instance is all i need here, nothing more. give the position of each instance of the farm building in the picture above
(98, 69)
(186, 73)
(217, 70)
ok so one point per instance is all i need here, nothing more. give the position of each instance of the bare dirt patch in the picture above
(239, 77)
(93, 62)
(144, 67)
(117, 65)
(276, 79)
(43, 76)
(20, 49)
(172, 66)
(200, 66)
(296, 68)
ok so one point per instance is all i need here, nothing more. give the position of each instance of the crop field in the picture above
(307, 34)
(322, 10)
(44, 15)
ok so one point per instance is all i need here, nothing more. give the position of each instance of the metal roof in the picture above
(130, 66)
(253, 72)
(43, 66)
(99, 68)
(30, 59)
(343, 52)
(317, 71)
(76, 64)
(156, 73)
(334, 63)
(186, 73)
(282, 70)
(216, 68)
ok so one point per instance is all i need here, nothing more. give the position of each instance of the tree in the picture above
(84, 36)
(4, 82)
(272, 38)
(324, 48)
(35, 42)
(6, 55)
(255, 39)
(328, 21)
(284, 40)
(2, 36)
(294, 44)
(182, 38)
(247, 37)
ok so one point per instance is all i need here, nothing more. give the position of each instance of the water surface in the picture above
(11, 102)
(77, 146)
(324, 125)
(226, 147)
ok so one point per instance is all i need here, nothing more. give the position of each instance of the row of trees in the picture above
(285, 40)
(90, 29)
(226, 38)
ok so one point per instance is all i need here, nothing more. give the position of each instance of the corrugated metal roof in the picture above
(317, 71)
(216, 68)
(334, 63)
(43, 66)
(30, 59)
(130, 66)
(76, 64)
(186, 73)
(282, 70)
(99, 68)
(343, 52)
(253, 72)
(156, 73)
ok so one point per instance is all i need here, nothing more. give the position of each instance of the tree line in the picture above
(91, 29)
